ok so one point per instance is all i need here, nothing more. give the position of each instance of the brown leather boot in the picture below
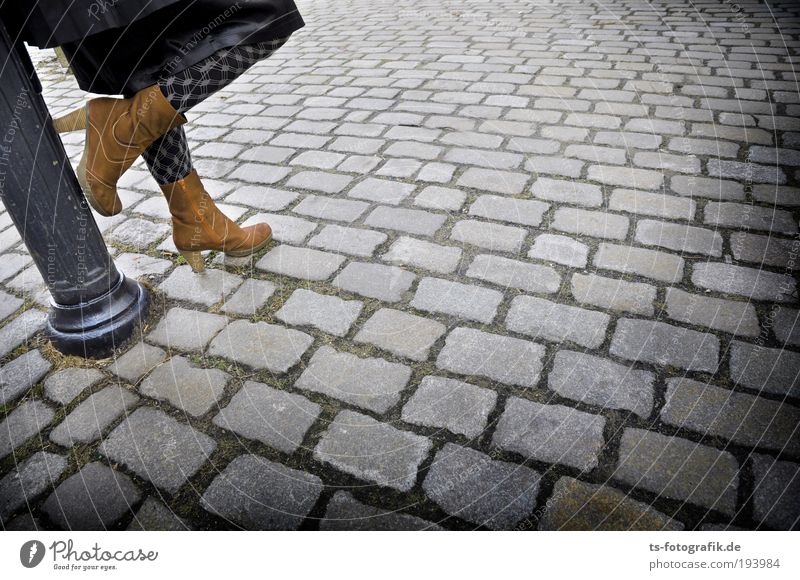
(198, 224)
(117, 132)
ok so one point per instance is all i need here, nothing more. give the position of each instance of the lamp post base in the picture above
(95, 328)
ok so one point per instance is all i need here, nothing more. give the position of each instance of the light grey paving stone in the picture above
(648, 263)
(329, 208)
(502, 182)
(775, 194)
(206, 288)
(743, 419)
(597, 381)
(138, 265)
(504, 209)
(777, 487)
(257, 494)
(678, 237)
(579, 506)
(260, 345)
(554, 166)
(9, 304)
(64, 385)
(352, 241)
(19, 375)
(488, 235)
(749, 217)
(88, 420)
(597, 224)
(500, 358)
(276, 418)
(261, 197)
(387, 283)
(285, 228)
(678, 469)
(786, 325)
(663, 344)
(187, 329)
(745, 171)
(514, 274)
(564, 191)
(95, 498)
(613, 294)
(766, 250)
(251, 296)
(556, 322)
(411, 221)
(626, 177)
(416, 253)
(654, 204)
(301, 263)
(373, 451)
(319, 181)
(443, 403)
(11, 264)
(470, 485)
(771, 370)
(550, 433)
(185, 386)
(749, 282)
(400, 333)
(726, 315)
(559, 249)
(22, 423)
(713, 188)
(381, 191)
(28, 481)
(370, 383)
(137, 362)
(158, 448)
(667, 162)
(138, 233)
(20, 330)
(330, 314)
(154, 516)
(456, 299)
(440, 198)
(344, 513)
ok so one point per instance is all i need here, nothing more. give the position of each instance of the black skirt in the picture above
(123, 46)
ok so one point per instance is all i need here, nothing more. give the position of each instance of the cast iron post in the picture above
(94, 307)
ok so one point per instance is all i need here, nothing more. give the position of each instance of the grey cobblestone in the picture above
(655, 204)
(251, 296)
(137, 362)
(189, 388)
(158, 448)
(679, 469)
(500, 358)
(374, 451)
(416, 253)
(567, 192)
(626, 177)
(322, 207)
(772, 370)
(777, 484)
(370, 383)
(726, 315)
(20, 330)
(89, 419)
(596, 224)
(29, 480)
(470, 485)
(440, 198)
(411, 221)
(559, 249)
(766, 250)
(456, 299)
(602, 382)
(328, 313)
(457, 406)
(346, 514)
(518, 211)
(488, 235)
(276, 418)
(208, 289)
(260, 345)
(681, 238)
(787, 326)
(550, 433)
(302, 263)
(503, 182)
(748, 282)
(741, 418)
(353, 241)
(285, 228)
(381, 191)
(649, 263)
(514, 274)
(186, 329)
(387, 283)
(614, 294)
(543, 319)
(22, 423)
(663, 344)
(257, 494)
(155, 516)
(19, 375)
(400, 333)
(749, 217)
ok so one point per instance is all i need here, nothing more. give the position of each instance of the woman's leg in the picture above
(168, 157)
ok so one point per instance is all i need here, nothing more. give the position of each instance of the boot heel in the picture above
(74, 121)
(194, 259)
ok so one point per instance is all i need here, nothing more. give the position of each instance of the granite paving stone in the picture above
(387, 283)
(137, 362)
(546, 320)
(345, 513)
(206, 288)
(406, 251)
(771, 370)
(352, 241)
(664, 344)
(185, 386)
(185, 329)
(402, 334)
(154, 516)
(22, 373)
(22, 423)
(88, 420)
(260, 345)
(514, 274)
(777, 485)
(251, 296)
(29, 480)
(301, 263)
(327, 313)
(444, 403)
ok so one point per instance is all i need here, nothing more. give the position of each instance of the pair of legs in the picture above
(168, 158)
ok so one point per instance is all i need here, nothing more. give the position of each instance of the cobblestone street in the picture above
(534, 267)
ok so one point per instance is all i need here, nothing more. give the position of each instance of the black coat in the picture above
(122, 46)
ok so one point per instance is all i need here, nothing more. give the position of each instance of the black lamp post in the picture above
(94, 307)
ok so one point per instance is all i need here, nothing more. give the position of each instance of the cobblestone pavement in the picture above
(534, 268)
